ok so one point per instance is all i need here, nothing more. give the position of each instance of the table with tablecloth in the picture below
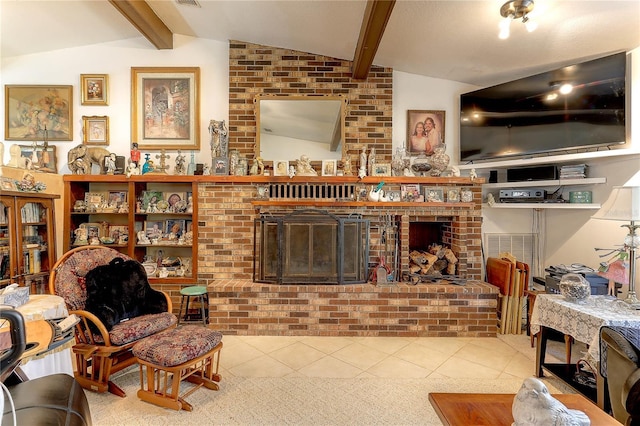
(582, 321)
(58, 360)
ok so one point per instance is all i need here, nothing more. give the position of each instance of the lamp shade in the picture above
(623, 204)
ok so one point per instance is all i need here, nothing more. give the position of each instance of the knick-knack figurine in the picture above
(439, 160)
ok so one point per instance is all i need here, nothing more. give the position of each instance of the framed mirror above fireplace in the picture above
(289, 126)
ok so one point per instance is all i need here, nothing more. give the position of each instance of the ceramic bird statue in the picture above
(534, 406)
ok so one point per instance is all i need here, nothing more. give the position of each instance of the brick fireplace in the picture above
(239, 305)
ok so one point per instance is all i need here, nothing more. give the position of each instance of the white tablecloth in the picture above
(39, 307)
(582, 320)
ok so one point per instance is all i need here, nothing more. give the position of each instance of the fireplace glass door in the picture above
(311, 247)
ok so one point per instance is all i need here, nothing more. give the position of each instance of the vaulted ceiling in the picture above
(453, 40)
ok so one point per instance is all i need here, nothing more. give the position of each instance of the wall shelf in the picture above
(540, 206)
(539, 183)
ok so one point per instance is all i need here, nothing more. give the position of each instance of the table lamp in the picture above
(624, 205)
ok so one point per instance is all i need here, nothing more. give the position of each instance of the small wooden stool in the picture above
(199, 294)
(189, 353)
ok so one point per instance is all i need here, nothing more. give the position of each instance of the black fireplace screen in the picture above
(310, 247)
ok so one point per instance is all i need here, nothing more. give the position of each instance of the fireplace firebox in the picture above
(311, 247)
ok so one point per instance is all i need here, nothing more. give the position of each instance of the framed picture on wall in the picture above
(95, 130)
(48, 123)
(94, 89)
(165, 107)
(41, 160)
(425, 130)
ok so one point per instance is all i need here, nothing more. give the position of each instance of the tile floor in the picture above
(506, 356)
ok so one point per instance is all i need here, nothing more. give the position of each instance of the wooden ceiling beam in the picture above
(374, 22)
(141, 16)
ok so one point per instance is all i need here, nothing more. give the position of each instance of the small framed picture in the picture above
(117, 197)
(41, 160)
(176, 227)
(95, 89)
(329, 167)
(93, 230)
(381, 169)
(150, 198)
(153, 228)
(221, 166)
(8, 184)
(95, 130)
(280, 168)
(394, 196)
(453, 195)
(410, 192)
(173, 197)
(119, 233)
(94, 199)
(433, 195)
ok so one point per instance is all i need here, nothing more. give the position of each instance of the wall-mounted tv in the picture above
(534, 115)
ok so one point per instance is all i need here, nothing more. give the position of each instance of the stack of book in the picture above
(575, 171)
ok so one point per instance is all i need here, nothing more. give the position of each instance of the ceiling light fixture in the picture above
(516, 9)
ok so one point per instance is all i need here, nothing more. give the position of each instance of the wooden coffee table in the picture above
(494, 409)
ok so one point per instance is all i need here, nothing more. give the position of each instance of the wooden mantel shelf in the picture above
(371, 180)
(318, 203)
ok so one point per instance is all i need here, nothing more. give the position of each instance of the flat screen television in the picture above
(530, 116)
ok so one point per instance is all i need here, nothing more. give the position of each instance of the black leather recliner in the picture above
(620, 366)
(57, 399)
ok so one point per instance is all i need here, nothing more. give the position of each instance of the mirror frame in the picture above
(267, 96)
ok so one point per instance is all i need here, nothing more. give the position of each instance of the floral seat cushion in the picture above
(70, 274)
(140, 327)
(177, 346)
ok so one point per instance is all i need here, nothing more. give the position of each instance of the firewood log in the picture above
(451, 258)
(440, 265)
(451, 269)
(418, 257)
(431, 259)
(414, 269)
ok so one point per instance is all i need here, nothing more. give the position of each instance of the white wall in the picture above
(116, 59)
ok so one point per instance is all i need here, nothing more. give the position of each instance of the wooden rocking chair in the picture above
(100, 354)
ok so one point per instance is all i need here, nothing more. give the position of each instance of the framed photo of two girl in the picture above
(425, 130)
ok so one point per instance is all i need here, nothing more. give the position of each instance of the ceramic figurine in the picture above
(533, 405)
(292, 171)
(304, 167)
(180, 168)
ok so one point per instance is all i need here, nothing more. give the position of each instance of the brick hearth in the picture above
(247, 308)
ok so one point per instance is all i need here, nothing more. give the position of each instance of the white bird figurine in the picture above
(534, 406)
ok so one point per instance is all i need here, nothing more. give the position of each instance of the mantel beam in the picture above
(374, 22)
(141, 16)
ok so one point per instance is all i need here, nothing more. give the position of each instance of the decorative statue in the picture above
(148, 165)
(362, 170)
(371, 162)
(346, 165)
(534, 406)
(80, 158)
(135, 154)
(304, 167)
(110, 163)
(219, 138)
(180, 168)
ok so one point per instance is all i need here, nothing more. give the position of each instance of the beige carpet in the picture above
(295, 401)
